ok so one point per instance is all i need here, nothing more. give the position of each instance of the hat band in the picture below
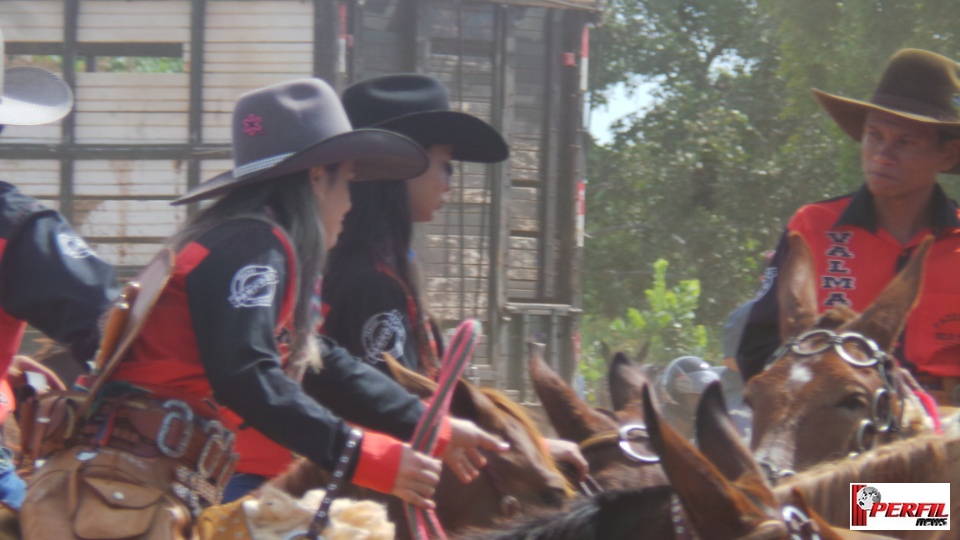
(908, 105)
(259, 165)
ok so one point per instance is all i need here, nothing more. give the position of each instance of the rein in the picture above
(858, 351)
(424, 524)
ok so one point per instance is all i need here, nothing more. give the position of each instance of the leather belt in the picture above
(154, 428)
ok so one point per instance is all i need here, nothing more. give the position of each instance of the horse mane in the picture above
(826, 486)
(836, 317)
(515, 410)
(588, 518)
(414, 382)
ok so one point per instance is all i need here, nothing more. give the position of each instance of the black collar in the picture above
(860, 212)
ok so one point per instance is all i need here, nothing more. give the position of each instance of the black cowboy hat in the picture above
(917, 85)
(296, 125)
(418, 106)
(30, 96)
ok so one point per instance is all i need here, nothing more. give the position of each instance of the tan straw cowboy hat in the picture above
(297, 125)
(917, 85)
(30, 96)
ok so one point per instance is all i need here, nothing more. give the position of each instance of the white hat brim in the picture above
(33, 96)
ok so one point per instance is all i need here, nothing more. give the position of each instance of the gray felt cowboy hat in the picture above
(297, 125)
(917, 85)
(32, 96)
(418, 106)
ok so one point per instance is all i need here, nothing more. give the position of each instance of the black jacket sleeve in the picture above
(761, 335)
(368, 315)
(362, 395)
(50, 278)
(235, 297)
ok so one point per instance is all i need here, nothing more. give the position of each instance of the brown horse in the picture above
(926, 458)
(716, 495)
(524, 477)
(602, 434)
(834, 388)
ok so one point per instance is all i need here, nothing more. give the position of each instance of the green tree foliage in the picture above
(707, 175)
(663, 329)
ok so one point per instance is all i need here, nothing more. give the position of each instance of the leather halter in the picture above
(858, 351)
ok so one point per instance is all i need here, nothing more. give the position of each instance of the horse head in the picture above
(520, 478)
(721, 489)
(612, 442)
(719, 494)
(833, 387)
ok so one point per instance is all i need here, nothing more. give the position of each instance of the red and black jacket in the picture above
(855, 260)
(369, 310)
(214, 334)
(49, 278)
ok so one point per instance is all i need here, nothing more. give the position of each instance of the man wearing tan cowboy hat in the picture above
(49, 277)
(909, 132)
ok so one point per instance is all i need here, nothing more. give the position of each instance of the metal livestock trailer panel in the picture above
(155, 81)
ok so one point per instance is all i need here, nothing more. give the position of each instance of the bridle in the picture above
(798, 524)
(509, 505)
(623, 438)
(861, 352)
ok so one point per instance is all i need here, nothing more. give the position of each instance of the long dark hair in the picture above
(289, 202)
(378, 228)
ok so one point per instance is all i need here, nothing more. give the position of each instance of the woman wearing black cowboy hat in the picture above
(49, 277)
(232, 330)
(909, 132)
(372, 301)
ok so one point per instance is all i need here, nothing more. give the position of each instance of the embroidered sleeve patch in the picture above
(383, 333)
(253, 286)
(73, 246)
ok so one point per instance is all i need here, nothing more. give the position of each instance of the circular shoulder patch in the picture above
(383, 333)
(73, 246)
(253, 286)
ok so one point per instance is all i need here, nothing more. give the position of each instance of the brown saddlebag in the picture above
(49, 421)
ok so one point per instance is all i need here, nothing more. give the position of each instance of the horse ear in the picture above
(626, 381)
(797, 290)
(885, 317)
(719, 439)
(641, 357)
(463, 403)
(570, 416)
(717, 509)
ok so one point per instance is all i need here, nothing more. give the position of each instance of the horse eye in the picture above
(854, 402)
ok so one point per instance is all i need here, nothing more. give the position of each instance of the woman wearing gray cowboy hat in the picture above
(232, 331)
(909, 132)
(372, 299)
(49, 277)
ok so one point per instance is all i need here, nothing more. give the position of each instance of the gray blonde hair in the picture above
(287, 202)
